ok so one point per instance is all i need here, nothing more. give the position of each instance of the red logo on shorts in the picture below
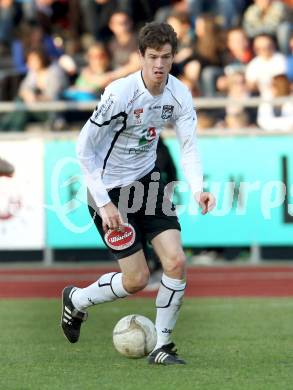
(118, 240)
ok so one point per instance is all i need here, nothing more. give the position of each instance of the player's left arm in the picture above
(186, 133)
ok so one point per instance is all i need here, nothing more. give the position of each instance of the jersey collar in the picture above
(142, 82)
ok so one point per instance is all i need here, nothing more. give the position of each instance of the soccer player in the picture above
(117, 152)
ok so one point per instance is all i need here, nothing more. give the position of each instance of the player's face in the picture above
(156, 63)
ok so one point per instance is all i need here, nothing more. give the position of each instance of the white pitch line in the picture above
(46, 278)
(239, 276)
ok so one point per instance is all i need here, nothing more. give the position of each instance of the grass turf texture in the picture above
(228, 344)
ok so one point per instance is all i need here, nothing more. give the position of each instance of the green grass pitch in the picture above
(228, 344)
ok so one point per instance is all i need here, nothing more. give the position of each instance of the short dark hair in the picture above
(281, 83)
(181, 16)
(265, 35)
(43, 56)
(155, 35)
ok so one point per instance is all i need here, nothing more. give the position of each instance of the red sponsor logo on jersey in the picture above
(151, 134)
(137, 113)
(148, 136)
(119, 240)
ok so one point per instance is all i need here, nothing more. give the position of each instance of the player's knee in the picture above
(176, 264)
(135, 283)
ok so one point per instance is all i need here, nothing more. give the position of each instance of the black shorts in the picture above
(155, 215)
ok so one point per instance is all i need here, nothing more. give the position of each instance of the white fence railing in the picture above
(206, 103)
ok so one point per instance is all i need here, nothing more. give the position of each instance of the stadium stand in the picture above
(217, 38)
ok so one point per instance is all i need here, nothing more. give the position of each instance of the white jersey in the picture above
(118, 144)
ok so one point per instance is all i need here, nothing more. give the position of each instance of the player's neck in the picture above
(154, 88)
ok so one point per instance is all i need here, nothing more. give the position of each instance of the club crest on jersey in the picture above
(137, 113)
(118, 240)
(167, 111)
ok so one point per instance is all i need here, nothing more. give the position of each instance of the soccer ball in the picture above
(134, 336)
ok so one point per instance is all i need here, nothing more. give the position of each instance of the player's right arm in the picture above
(111, 217)
(93, 145)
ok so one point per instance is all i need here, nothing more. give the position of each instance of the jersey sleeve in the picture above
(94, 143)
(186, 133)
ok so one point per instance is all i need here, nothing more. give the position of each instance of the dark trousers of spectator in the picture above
(17, 121)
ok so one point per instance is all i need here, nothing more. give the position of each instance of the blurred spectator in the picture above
(190, 77)
(269, 17)
(6, 21)
(290, 61)
(52, 15)
(236, 119)
(123, 43)
(237, 87)
(237, 57)
(28, 10)
(277, 118)
(205, 120)
(238, 91)
(93, 77)
(209, 52)
(229, 12)
(96, 15)
(265, 65)
(181, 23)
(238, 45)
(68, 65)
(123, 46)
(199, 7)
(58, 18)
(142, 11)
(45, 81)
(167, 7)
(9, 15)
(31, 37)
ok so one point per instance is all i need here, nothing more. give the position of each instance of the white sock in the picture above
(168, 304)
(108, 287)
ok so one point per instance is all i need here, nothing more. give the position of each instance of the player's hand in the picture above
(206, 201)
(111, 217)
